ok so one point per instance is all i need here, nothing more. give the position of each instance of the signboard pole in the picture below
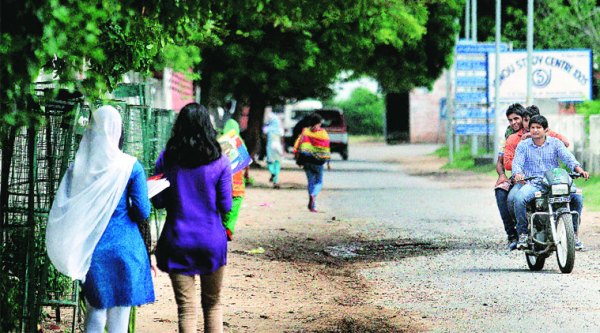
(467, 20)
(497, 71)
(448, 116)
(474, 20)
(529, 52)
(475, 137)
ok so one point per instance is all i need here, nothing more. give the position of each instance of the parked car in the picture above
(292, 114)
(335, 124)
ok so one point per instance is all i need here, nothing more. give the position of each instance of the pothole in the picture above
(338, 253)
(343, 251)
(381, 249)
(371, 325)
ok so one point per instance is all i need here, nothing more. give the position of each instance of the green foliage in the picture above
(295, 50)
(591, 192)
(88, 46)
(587, 109)
(558, 24)
(11, 298)
(426, 48)
(463, 160)
(274, 52)
(356, 139)
(363, 111)
(443, 152)
(568, 24)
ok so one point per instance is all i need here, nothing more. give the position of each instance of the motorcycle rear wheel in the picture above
(565, 243)
(535, 263)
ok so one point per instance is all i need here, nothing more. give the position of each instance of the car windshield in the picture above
(331, 118)
(299, 114)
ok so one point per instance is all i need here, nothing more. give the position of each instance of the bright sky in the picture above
(343, 90)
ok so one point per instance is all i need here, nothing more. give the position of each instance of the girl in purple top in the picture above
(193, 241)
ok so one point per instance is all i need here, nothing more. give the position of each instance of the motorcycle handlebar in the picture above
(573, 175)
(530, 178)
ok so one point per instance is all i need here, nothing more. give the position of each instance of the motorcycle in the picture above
(551, 222)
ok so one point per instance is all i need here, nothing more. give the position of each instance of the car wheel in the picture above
(344, 154)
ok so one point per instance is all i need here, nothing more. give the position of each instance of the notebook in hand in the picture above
(233, 146)
(156, 184)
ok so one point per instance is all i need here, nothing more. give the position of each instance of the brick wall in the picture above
(425, 123)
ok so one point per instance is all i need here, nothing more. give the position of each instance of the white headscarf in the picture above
(88, 195)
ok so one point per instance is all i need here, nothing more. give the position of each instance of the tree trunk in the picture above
(255, 123)
(397, 118)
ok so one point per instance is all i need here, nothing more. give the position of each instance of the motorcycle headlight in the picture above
(560, 189)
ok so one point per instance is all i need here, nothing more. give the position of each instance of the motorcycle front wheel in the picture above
(535, 263)
(565, 243)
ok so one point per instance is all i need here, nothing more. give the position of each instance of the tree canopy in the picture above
(558, 24)
(271, 54)
(260, 51)
(423, 55)
(92, 44)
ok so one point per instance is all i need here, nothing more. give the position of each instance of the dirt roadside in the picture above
(299, 283)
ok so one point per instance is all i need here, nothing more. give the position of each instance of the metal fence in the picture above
(32, 161)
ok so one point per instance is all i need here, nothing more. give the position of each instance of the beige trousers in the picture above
(187, 305)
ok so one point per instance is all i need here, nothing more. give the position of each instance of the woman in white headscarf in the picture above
(92, 235)
(272, 129)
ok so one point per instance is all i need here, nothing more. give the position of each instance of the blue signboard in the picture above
(471, 97)
(474, 129)
(471, 81)
(478, 113)
(443, 108)
(472, 47)
(471, 100)
(470, 65)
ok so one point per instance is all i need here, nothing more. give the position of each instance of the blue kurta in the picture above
(119, 274)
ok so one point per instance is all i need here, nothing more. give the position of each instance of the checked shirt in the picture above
(532, 160)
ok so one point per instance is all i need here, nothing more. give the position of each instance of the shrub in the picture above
(363, 111)
(587, 109)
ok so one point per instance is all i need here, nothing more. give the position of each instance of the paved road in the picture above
(476, 285)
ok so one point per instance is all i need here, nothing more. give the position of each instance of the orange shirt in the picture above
(513, 141)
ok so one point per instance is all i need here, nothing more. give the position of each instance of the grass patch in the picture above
(365, 138)
(464, 161)
(591, 192)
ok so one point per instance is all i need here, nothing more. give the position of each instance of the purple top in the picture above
(193, 240)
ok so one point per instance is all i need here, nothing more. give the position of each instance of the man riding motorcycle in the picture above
(508, 155)
(533, 157)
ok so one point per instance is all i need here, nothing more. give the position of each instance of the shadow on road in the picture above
(506, 270)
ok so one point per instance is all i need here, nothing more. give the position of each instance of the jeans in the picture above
(576, 205)
(314, 174)
(510, 200)
(523, 194)
(115, 319)
(184, 287)
(509, 222)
